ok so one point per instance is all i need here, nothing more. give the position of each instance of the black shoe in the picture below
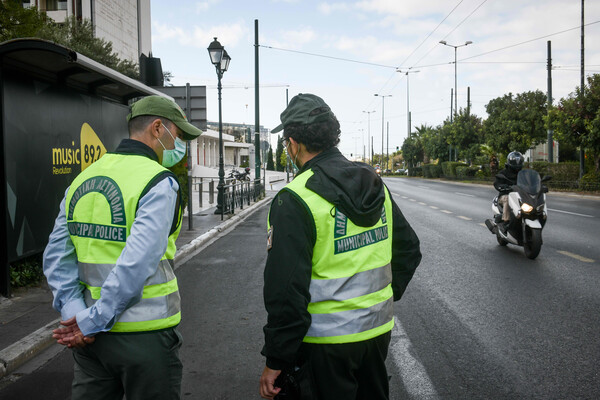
(503, 226)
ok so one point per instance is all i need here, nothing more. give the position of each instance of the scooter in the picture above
(528, 213)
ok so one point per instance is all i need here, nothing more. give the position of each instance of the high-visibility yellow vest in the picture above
(100, 205)
(351, 281)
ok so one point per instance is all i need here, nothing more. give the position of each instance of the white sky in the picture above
(390, 33)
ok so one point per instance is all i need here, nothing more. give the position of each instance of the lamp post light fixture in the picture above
(220, 59)
(408, 99)
(369, 135)
(383, 96)
(468, 42)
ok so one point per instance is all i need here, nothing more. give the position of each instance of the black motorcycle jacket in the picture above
(504, 185)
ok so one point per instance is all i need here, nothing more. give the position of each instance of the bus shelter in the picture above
(59, 112)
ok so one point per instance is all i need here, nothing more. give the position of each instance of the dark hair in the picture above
(318, 136)
(140, 123)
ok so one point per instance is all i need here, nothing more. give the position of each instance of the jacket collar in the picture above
(135, 147)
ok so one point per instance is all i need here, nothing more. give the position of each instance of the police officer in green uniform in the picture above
(340, 252)
(109, 262)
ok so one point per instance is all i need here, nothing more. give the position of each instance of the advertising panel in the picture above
(51, 133)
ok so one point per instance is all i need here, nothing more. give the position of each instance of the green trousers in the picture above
(141, 366)
(349, 371)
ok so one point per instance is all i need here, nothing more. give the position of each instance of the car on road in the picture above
(400, 171)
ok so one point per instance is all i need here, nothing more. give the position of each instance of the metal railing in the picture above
(236, 194)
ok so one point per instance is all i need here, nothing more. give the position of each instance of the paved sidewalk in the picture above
(27, 318)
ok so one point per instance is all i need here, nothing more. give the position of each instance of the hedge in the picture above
(432, 170)
(449, 168)
(415, 171)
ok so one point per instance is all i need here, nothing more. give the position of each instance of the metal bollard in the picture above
(211, 192)
(200, 192)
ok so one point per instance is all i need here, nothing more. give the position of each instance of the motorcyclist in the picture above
(514, 163)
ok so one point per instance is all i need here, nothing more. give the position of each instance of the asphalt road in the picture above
(478, 321)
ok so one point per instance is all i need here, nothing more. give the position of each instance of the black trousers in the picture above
(141, 366)
(349, 371)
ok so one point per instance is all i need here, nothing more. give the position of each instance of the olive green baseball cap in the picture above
(166, 108)
(304, 109)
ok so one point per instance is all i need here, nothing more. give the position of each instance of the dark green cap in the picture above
(304, 109)
(166, 108)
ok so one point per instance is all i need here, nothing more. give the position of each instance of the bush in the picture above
(415, 171)
(432, 170)
(449, 168)
(590, 181)
(560, 172)
(26, 272)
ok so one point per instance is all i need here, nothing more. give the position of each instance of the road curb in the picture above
(25, 349)
(18, 353)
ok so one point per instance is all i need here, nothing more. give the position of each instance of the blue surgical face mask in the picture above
(172, 156)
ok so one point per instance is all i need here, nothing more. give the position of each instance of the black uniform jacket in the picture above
(357, 191)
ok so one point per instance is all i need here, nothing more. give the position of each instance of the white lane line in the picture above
(447, 212)
(412, 199)
(434, 207)
(424, 187)
(464, 194)
(576, 256)
(572, 213)
(465, 218)
(484, 225)
(413, 374)
(404, 197)
(423, 204)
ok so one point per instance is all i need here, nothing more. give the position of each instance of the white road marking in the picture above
(576, 256)
(424, 187)
(413, 374)
(434, 207)
(484, 225)
(572, 213)
(423, 204)
(412, 199)
(464, 194)
(465, 218)
(447, 212)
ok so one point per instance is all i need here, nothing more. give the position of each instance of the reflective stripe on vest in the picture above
(351, 293)
(104, 198)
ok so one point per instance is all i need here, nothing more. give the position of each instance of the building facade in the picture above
(125, 23)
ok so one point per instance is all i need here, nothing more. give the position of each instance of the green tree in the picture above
(270, 163)
(412, 151)
(279, 165)
(576, 119)
(434, 140)
(17, 21)
(516, 123)
(466, 132)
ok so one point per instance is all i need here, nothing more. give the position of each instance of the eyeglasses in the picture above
(285, 142)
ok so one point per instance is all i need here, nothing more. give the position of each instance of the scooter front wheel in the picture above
(534, 243)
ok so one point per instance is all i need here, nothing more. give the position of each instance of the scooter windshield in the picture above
(529, 180)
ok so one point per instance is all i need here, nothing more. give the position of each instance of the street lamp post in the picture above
(468, 42)
(383, 96)
(220, 59)
(369, 134)
(408, 99)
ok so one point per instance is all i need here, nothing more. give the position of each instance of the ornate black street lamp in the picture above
(220, 59)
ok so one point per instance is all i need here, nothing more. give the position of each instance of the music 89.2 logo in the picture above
(89, 151)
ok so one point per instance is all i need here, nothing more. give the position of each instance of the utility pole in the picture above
(468, 100)
(550, 133)
(582, 83)
(256, 108)
(388, 145)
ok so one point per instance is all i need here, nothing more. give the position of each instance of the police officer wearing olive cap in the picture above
(340, 252)
(109, 262)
